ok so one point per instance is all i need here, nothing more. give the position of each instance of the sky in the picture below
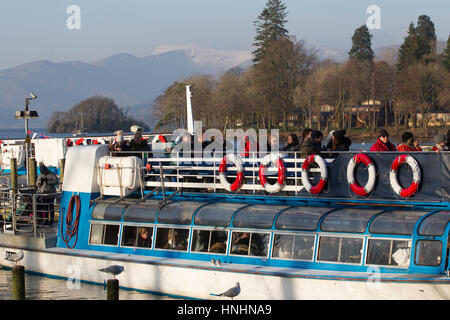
(37, 30)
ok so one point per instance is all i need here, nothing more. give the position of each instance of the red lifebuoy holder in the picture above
(236, 160)
(323, 174)
(361, 158)
(414, 186)
(274, 158)
(159, 138)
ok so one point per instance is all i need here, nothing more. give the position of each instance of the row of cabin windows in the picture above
(387, 252)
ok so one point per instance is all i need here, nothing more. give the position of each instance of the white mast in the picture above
(190, 118)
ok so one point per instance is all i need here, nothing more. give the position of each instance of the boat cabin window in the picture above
(257, 216)
(104, 234)
(107, 211)
(348, 220)
(435, 224)
(428, 253)
(212, 241)
(172, 238)
(288, 246)
(250, 243)
(142, 212)
(137, 236)
(396, 222)
(178, 212)
(340, 249)
(300, 218)
(217, 214)
(388, 252)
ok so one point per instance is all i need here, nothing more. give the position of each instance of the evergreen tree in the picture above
(362, 45)
(446, 55)
(426, 36)
(270, 27)
(408, 52)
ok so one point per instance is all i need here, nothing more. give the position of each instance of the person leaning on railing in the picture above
(137, 143)
(409, 143)
(46, 184)
(439, 143)
(312, 144)
(383, 143)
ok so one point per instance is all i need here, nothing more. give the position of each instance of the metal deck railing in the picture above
(25, 212)
(199, 174)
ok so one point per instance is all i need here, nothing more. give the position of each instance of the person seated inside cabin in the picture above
(144, 237)
(283, 246)
(401, 256)
(304, 247)
(291, 144)
(138, 143)
(218, 247)
(440, 141)
(176, 239)
(240, 242)
(338, 142)
(383, 143)
(409, 143)
(312, 144)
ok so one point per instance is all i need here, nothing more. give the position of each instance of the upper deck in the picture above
(339, 179)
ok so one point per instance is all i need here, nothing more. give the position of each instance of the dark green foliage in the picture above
(408, 52)
(419, 44)
(362, 45)
(426, 36)
(446, 55)
(270, 27)
(99, 114)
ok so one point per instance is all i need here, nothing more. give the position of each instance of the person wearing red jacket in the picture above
(408, 143)
(383, 143)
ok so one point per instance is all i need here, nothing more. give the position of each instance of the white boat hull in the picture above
(198, 279)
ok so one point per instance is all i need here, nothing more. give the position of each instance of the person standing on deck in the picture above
(312, 144)
(383, 143)
(137, 143)
(46, 184)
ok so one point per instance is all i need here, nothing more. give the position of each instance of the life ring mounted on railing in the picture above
(159, 138)
(414, 186)
(323, 174)
(361, 158)
(274, 158)
(71, 225)
(237, 184)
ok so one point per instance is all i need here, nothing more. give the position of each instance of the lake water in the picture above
(46, 288)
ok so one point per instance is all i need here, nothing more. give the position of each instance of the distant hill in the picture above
(127, 79)
(132, 82)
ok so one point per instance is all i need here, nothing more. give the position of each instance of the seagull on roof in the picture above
(230, 293)
(14, 257)
(114, 270)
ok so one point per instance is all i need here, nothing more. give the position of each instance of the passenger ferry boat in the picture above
(186, 235)
(354, 225)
